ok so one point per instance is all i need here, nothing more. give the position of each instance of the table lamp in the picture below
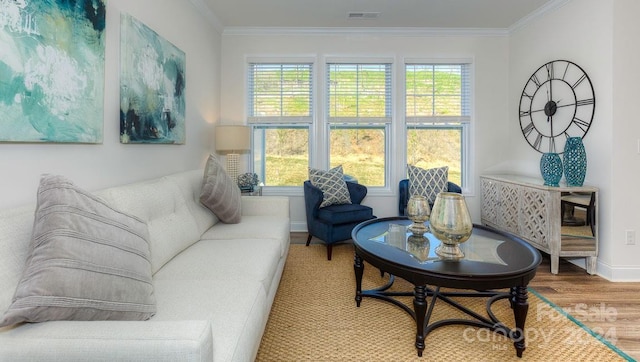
(232, 139)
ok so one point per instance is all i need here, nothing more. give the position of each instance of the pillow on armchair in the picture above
(428, 183)
(332, 185)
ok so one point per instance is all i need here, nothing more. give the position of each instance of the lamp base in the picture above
(232, 166)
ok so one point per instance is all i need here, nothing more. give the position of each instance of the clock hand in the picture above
(567, 105)
(548, 96)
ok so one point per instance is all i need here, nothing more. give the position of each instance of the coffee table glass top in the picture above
(487, 252)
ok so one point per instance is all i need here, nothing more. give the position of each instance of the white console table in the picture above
(525, 207)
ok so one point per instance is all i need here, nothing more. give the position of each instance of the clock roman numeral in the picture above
(534, 79)
(525, 94)
(552, 144)
(550, 71)
(525, 113)
(584, 126)
(585, 102)
(577, 83)
(566, 69)
(537, 142)
(527, 130)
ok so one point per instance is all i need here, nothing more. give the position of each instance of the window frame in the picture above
(282, 122)
(395, 129)
(386, 121)
(463, 121)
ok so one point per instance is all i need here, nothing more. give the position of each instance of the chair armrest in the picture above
(403, 196)
(108, 341)
(451, 187)
(313, 197)
(357, 192)
(265, 205)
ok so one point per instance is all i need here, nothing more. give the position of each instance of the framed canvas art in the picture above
(152, 86)
(52, 71)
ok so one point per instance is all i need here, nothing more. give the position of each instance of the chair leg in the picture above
(329, 250)
(309, 239)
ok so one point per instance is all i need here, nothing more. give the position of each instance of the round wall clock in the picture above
(557, 102)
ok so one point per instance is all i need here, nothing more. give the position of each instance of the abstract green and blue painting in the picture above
(152, 86)
(52, 70)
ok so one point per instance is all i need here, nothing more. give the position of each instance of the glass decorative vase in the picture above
(575, 161)
(451, 224)
(551, 169)
(418, 211)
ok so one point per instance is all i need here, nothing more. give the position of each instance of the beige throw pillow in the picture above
(220, 194)
(87, 261)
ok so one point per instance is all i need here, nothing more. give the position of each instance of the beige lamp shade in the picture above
(232, 138)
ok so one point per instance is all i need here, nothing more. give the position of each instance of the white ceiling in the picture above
(459, 14)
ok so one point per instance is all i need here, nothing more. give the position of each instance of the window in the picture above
(280, 106)
(438, 116)
(358, 117)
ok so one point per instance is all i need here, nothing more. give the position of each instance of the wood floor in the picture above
(609, 309)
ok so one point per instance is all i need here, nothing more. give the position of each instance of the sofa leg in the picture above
(309, 239)
(329, 249)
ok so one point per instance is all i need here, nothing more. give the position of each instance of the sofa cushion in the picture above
(219, 193)
(428, 183)
(190, 184)
(238, 311)
(15, 233)
(86, 261)
(161, 204)
(233, 259)
(254, 227)
(332, 185)
(343, 214)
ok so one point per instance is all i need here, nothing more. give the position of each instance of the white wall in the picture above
(625, 152)
(600, 40)
(488, 53)
(111, 163)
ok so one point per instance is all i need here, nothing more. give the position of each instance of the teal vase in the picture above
(551, 169)
(575, 161)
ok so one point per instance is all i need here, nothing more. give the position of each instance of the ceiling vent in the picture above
(363, 15)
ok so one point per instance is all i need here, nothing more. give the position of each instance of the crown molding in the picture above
(208, 14)
(388, 31)
(380, 31)
(546, 8)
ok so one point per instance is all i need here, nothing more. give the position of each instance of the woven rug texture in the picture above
(314, 318)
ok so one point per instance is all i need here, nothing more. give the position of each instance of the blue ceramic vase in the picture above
(551, 169)
(575, 162)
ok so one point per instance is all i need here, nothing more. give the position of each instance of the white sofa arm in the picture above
(108, 341)
(265, 206)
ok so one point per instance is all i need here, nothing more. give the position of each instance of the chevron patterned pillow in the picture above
(332, 185)
(428, 183)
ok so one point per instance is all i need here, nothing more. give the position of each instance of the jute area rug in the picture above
(314, 318)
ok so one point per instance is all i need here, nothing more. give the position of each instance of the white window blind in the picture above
(438, 93)
(280, 93)
(359, 93)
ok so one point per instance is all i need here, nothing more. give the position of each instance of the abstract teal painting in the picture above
(152, 86)
(52, 70)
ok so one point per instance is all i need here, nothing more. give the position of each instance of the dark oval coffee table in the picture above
(493, 261)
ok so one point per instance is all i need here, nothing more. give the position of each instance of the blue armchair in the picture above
(334, 223)
(404, 194)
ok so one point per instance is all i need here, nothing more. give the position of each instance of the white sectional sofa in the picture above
(214, 283)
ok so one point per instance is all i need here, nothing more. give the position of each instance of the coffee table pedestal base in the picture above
(422, 308)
